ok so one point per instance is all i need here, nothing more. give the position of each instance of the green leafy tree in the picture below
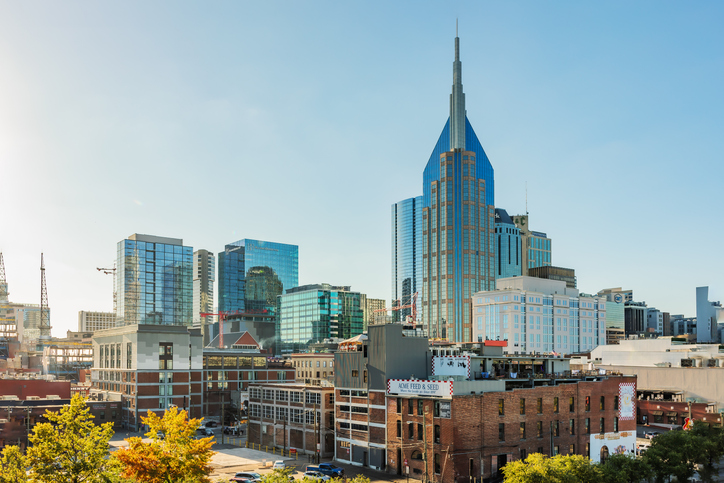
(177, 456)
(710, 444)
(12, 465)
(70, 447)
(356, 479)
(538, 468)
(674, 453)
(620, 468)
(279, 475)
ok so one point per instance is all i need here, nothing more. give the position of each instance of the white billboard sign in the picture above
(451, 366)
(627, 401)
(417, 387)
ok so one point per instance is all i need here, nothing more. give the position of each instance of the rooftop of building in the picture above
(319, 286)
(156, 239)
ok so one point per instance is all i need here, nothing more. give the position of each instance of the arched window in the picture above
(416, 455)
(604, 454)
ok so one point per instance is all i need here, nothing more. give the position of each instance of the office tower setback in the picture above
(406, 256)
(154, 281)
(203, 288)
(536, 245)
(92, 321)
(567, 275)
(312, 313)
(458, 221)
(252, 273)
(508, 256)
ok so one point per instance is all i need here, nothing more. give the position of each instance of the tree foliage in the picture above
(70, 447)
(538, 468)
(278, 475)
(12, 465)
(674, 453)
(174, 457)
(623, 468)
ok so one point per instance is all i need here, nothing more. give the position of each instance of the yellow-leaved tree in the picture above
(12, 465)
(172, 455)
(70, 447)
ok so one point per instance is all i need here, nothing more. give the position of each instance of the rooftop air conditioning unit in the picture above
(52, 396)
(33, 398)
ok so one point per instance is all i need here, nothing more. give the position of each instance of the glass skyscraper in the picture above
(508, 255)
(252, 273)
(458, 221)
(406, 255)
(154, 281)
(312, 313)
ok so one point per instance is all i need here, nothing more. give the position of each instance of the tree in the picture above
(357, 479)
(673, 453)
(710, 444)
(538, 468)
(622, 468)
(12, 465)
(279, 475)
(70, 447)
(174, 457)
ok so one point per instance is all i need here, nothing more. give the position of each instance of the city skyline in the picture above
(110, 111)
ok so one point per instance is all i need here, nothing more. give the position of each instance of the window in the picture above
(410, 406)
(501, 407)
(588, 425)
(588, 449)
(539, 405)
(501, 431)
(399, 428)
(588, 403)
(522, 430)
(165, 356)
(556, 450)
(355, 373)
(615, 424)
(539, 430)
(571, 405)
(436, 459)
(410, 431)
(601, 426)
(129, 355)
(419, 407)
(437, 433)
(522, 405)
(572, 449)
(419, 431)
(603, 401)
(615, 403)
(523, 454)
(571, 426)
(555, 404)
(364, 375)
(399, 405)
(556, 428)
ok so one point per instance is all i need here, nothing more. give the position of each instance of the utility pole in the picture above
(424, 453)
(316, 427)
(223, 407)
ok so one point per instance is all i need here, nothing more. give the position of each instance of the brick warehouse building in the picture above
(469, 422)
(474, 435)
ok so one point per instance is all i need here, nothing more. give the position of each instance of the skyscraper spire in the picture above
(457, 101)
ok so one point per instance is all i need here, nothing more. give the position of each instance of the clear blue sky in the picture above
(302, 122)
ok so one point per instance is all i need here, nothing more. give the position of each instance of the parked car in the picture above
(279, 464)
(247, 476)
(315, 475)
(205, 431)
(327, 469)
(211, 424)
(651, 434)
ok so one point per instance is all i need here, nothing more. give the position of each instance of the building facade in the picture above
(457, 222)
(549, 272)
(708, 316)
(407, 256)
(313, 368)
(312, 313)
(154, 281)
(536, 245)
(635, 317)
(508, 255)
(252, 273)
(371, 309)
(204, 275)
(539, 315)
(92, 321)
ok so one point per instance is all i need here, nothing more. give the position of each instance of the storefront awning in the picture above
(672, 413)
(658, 413)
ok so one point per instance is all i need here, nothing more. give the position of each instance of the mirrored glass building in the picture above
(154, 281)
(458, 222)
(508, 255)
(406, 256)
(252, 273)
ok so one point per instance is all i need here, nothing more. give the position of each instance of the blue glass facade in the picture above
(312, 313)
(508, 254)
(252, 273)
(458, 222)
(406, 255)
(154, 281)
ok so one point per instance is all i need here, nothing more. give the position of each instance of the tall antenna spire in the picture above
(3, 281)
(44, 310)
(457, 100)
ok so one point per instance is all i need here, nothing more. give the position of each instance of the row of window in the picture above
(420, 434)
(311, 363)
(555, 428)
(283, 396)
(556, 405)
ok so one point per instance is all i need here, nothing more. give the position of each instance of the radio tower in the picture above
(44, 310)
(3, 282)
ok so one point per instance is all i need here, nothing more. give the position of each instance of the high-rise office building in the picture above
(458, 221)
(508, 256)
(708, 316)
(371, 309)
(252, 273)
(92, 321)
(406, 256)
(312, 313)
(154, 281)
(536, 245)
(204, 276)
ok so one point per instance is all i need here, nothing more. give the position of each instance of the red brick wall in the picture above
(22, 388)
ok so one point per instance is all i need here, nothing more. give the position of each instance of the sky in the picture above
(303, 122)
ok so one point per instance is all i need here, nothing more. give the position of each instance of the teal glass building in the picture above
(154, 282)
(508, 249)
(252, 273)
(406, 256)
(312, 313)
(458, 222)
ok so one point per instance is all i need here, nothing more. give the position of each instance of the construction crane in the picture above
(222, 315)
(412, 305)
(111, 271)
(3, 281)
(44, 310)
